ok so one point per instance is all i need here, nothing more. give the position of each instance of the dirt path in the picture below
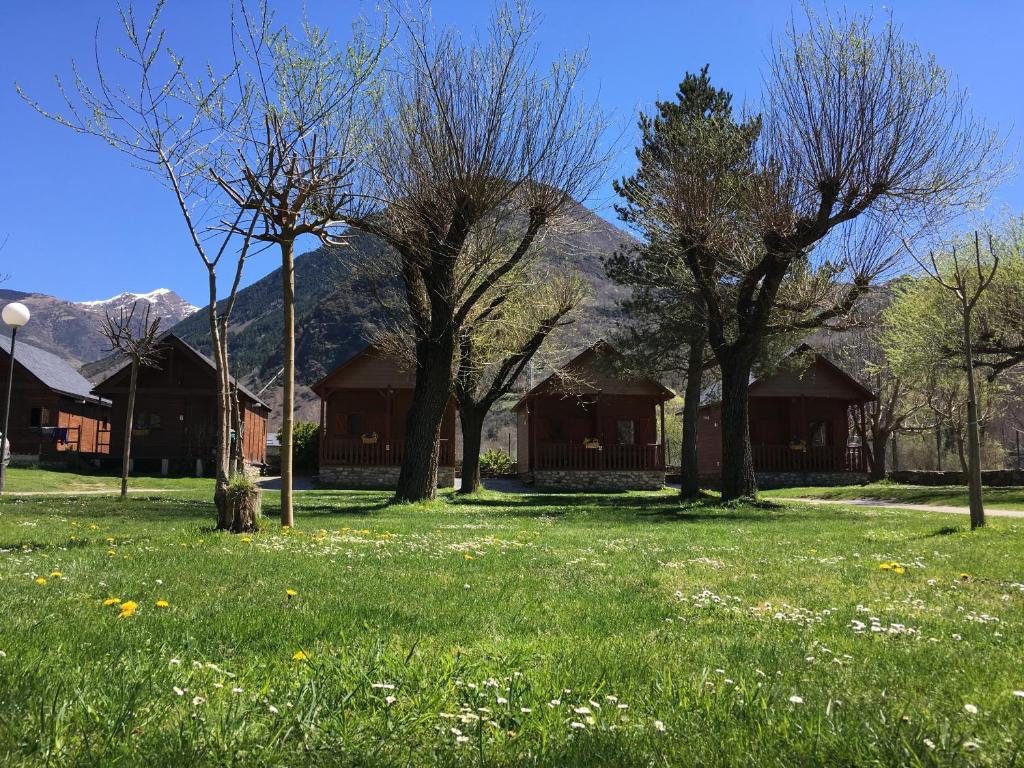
(882, 503)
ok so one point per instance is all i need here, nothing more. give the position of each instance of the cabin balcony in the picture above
(572, 456)
(814, 458)
(357, 452)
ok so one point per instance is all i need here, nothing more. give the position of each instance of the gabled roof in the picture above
(370, 367)
(712, 395)
(603, 380)
(171, 339)
(52, 371)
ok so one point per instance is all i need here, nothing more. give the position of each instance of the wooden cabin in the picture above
(53, 410)
(175, 426)
(364, 403)
(800, 425)
(586, 426)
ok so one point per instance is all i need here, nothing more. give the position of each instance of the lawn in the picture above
(34, 480)
(944, 495)
(507, 630)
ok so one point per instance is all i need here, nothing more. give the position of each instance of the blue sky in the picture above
(82, 223)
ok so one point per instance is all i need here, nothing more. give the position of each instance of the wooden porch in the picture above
(570, 456)
(354, 452)
(815, 458)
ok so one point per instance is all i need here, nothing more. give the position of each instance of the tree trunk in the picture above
(689, 480)
(738, 478)
(417, 479)
(472, 432)
(126, 450)
(973, 438)
(879, 445)
(288, 362)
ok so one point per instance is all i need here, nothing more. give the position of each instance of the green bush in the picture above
(494, 462)
(306, 445)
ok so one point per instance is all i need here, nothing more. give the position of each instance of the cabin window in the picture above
(625, 430)
(355, 424)
(147, 420)
(39, 417)
(556, 430)
(819, 433)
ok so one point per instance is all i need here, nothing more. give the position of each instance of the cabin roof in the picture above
(589, 376)
(54, 372)
(370, 368)
(759, 383)
(172, 339)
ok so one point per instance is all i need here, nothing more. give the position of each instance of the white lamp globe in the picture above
(16, 314)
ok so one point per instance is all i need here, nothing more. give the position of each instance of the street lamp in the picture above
(15, 315)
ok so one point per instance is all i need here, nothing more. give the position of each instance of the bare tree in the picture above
(140, 343)
(967, 280)
(297, 159)
(471, 132)
(863, 136)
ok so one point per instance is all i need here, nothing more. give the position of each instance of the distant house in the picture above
(53, 409)
(364, 403)
(589, 427)
(175, 425)
(800, 419)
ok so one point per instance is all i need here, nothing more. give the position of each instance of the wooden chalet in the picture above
(364, 403)
(586, 426)
(800, 419)
(175, 426)
(53, 410)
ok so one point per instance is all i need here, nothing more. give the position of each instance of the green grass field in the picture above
(22, 480)
(956, 496)
(507, 630)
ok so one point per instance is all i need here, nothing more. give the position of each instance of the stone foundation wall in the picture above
(383, 477)
(795, 479)
(611, 480)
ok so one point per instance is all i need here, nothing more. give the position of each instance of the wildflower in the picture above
(389, 700)
(899, 570)
(577, 725)
(111, 601)
(128, 609)
(110, 539)
(300, 656)
(972, 746)
(929, 743)
(236, 690)
(796, 700)
(112, 553)
(502, 700)
(174, 662)
(94, 527)
(56, 575)
(659, 726)
(162, 604)
(272, 709)
(291, 593)
(246, 539)
(197, 700)
(525, 710)
(884, 566)
(970, 709)
(1019, 694)
(581, 710)
(964, 577)
(383, 686)
(40, 581)
(179, 691)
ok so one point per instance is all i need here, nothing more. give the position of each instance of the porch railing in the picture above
(608, 457)
(353, 452)
(816, 458)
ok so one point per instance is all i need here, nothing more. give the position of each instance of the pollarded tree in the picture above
(863, 137)
(471, 132)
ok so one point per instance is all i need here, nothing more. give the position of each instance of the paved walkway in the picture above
(883, 504)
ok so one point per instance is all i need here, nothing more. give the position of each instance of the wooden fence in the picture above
(353, 452)
(608, 457)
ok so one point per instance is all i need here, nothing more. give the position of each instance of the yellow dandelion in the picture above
(291, 593)
(111, 601)
(112, 553)
(110, 539)
(128, 609)
(246, 539)
(899, 570)
(94, 527)
(56, 575)
(300, 656)
(964, 577)
(884, 566)
(162, 604)
(40, 581)
(468, 556)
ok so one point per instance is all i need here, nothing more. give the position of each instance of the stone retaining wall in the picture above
(989, 477)
(384, 477)
(796, 479)
(612, 480)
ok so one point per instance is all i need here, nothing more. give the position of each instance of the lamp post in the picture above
(15, 315)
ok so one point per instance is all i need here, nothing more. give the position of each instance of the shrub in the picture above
(494, 462)
(306, 445)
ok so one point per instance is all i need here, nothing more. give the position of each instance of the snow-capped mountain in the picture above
(71, 329)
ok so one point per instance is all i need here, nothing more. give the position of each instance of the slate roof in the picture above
(53, 371)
